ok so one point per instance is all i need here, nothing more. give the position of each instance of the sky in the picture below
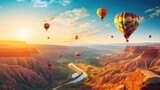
(24, 19)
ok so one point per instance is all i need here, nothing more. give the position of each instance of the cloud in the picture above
(93, 33)
(40, 3)
(108, 25)
(65, 2)
(1, 7)
(85, 25)
(49, 19)
(68, 23)
(46, 3)
(93, 21)
(156, 13)
(20, 0)
(83, 34)
(142, 19)
(70, 17)
(153, 13)
(71, 23)
(88, 29)
(149, 10)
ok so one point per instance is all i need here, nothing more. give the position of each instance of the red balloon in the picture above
(46, 26)
(50, 66)
(78, 54)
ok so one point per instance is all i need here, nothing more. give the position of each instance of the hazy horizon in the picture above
(79, 44)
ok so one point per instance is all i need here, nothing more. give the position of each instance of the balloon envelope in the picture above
(126, 23)
(78, 54)
(111, 36)
(50, 66)
(102, 12)
(60, 55)
(46, 26)
(76, 37)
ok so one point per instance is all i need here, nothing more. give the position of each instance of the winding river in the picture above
(81, 77)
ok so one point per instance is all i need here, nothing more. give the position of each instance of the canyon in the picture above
(23, 67)
(135, 68)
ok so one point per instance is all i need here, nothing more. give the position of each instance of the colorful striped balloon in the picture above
(126, 23)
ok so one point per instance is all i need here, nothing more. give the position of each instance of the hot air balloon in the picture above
(102, 12)
(46, 26)
(60, 55)
(76, 37)
(50, 66)
(112, 36)
(150, 36)
(78, 54)
(126, 23)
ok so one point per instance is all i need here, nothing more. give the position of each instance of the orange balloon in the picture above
(102, 12)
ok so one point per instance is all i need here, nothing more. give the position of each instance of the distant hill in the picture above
(115, 44)
(88, 55)
(12, 43)
(16, 49)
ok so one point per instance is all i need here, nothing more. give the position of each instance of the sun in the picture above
(24, 33)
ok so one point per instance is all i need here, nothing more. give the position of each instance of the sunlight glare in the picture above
(24, 33)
